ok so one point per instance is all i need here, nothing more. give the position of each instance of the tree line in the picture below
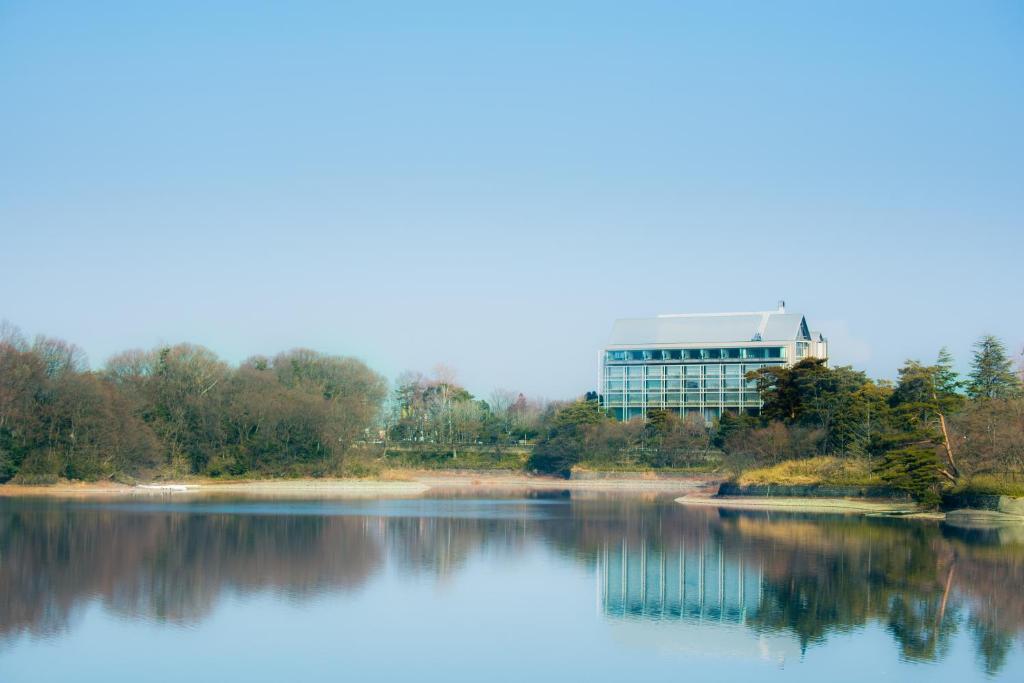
(929, 429)
(177, 410)
(436, 410)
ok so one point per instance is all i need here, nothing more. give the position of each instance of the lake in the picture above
(545, 587)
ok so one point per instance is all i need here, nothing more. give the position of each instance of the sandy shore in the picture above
(313, 488)
(617, 482)
(820, 505)
(404, 483)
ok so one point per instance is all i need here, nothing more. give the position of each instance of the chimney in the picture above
(782, 306)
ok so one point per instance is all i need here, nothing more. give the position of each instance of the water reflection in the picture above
(678, 583)
(813, 576)
(793, 580)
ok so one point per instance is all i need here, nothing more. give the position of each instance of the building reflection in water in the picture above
(695, 582)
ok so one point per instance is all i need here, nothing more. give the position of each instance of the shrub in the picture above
(31, 479)
(556, 453)
(914, 469)
(7, 466)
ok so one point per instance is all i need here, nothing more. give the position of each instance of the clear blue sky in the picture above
(489, 185)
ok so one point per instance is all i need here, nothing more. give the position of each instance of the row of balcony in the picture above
(748, 398)
(680, 370)
(712, 383)
(695, 355)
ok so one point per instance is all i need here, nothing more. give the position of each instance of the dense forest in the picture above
(180, 410)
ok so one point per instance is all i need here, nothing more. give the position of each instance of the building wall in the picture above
(689, 379)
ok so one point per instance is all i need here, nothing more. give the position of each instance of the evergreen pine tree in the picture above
(947, 380)
(914, 469)
(948, 384)
(992, 371)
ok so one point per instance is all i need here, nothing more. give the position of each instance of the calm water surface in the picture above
(459, 589)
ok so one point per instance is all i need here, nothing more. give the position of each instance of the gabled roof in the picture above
(709, 328)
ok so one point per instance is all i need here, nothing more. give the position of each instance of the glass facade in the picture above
(629, 387)
(697, 363)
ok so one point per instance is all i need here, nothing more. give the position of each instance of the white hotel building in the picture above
(696, 363)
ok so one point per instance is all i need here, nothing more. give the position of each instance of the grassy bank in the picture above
(376, 463)
(853, 477)
(831, 471)
(993, 485)
(825, 470)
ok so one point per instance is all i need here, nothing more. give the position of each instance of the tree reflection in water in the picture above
(808, 576)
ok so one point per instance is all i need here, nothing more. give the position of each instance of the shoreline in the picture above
(398, 483)
(692, 490)
(865, 506)
(967, 518)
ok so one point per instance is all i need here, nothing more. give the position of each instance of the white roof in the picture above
(709, 328)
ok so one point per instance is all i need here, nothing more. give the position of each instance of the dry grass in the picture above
(396, 475)
(823, 470)
(998, 485)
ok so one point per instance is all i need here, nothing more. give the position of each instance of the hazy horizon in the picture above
(490, 187)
